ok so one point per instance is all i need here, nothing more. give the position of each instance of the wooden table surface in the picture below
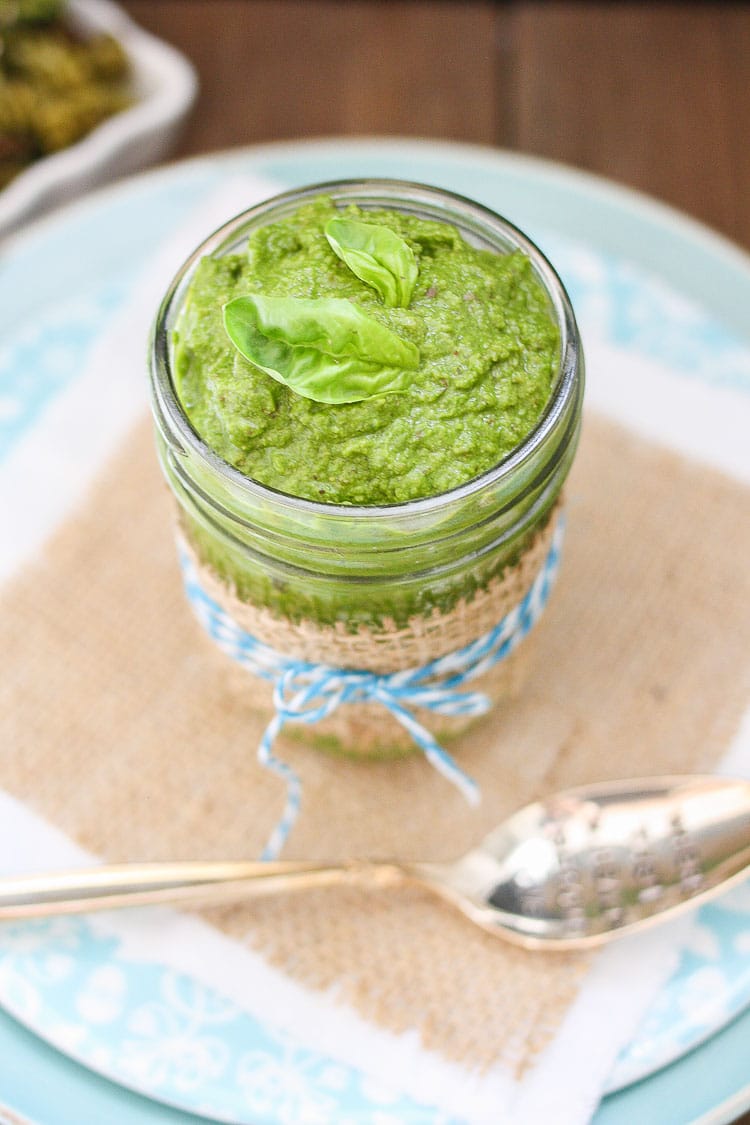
(655, 96)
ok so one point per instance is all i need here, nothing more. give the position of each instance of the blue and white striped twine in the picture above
(307, 693)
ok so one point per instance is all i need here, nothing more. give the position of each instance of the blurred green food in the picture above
(54, 87)
(27, 11)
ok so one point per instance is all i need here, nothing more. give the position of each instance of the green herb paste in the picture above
(488, 352)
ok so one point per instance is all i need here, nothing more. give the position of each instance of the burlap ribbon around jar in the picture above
(367, 729)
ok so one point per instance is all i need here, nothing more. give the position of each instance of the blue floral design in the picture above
(618, 301)
(170, 1037)
(710, 986)
(43, 358)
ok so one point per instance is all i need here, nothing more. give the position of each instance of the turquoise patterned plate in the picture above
(645, 282)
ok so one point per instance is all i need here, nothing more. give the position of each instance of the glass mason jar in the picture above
(377, 588)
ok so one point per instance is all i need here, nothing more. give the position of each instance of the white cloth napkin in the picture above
(41, 482)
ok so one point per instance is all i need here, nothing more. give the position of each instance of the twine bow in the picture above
(305, 692)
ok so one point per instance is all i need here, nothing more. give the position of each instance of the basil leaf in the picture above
(324, 349)
(378, 256)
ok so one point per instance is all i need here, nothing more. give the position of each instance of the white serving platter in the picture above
(164, 86)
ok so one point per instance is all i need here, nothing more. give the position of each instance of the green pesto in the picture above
(488, 352)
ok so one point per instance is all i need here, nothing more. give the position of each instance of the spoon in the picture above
(568, 872)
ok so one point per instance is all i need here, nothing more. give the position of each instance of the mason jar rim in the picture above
(486, 221)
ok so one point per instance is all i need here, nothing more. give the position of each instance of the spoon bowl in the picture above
(571, 871)
(586, 865)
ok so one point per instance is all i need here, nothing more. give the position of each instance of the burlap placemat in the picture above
(119, 723)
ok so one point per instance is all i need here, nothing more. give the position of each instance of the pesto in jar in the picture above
(479, 324)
